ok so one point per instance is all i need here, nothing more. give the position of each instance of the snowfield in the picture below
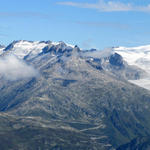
(140, 57)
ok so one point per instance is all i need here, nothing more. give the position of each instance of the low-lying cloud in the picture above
(12, 68)
(99, 53)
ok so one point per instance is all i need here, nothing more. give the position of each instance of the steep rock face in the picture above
(115, 64)
(57, 49)
(140, 143)
(116, 60)
(87, 93)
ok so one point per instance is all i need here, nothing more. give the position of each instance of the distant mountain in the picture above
(59, 86)
(106, 60)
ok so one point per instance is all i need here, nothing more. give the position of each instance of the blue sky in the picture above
(87, 23)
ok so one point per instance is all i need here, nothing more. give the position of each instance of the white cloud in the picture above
(109, 6)
(99, 53)
(11, 68)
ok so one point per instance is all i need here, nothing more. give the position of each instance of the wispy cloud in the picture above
(87, 44)
(109, 6)
(98, 54)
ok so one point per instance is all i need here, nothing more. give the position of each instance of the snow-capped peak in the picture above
(60, 42)
(24, 48)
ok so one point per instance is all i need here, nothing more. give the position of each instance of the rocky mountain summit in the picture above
(53, 89)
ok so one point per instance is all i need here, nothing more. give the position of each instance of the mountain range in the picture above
(61, 97)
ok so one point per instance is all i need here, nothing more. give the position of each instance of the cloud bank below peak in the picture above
(110, 6)
(12, 68)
